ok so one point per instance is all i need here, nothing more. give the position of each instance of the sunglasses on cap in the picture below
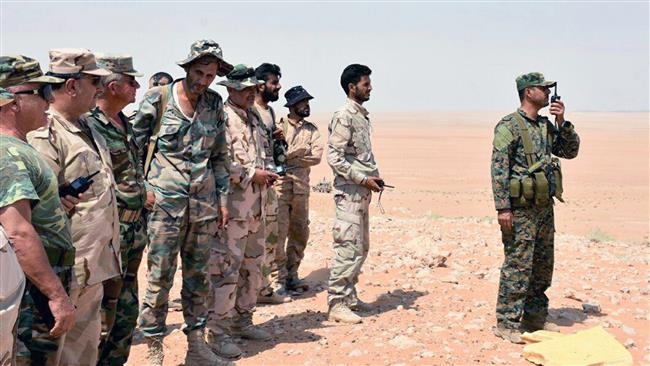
(45, 92)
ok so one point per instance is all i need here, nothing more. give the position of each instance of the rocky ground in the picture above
(433, 283)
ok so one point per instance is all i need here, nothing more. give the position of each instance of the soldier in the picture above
(305, 150)
(235, 264)
(525, 178)
(160, 78)
(34, 220)
(75, 150)
(349, 153)
(268, 91)
(180, 128)
(120, 301)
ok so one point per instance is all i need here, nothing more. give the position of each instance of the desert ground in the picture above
(432, 273)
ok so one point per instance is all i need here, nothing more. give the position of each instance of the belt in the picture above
(129, 216)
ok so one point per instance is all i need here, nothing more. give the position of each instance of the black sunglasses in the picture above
(45, 92)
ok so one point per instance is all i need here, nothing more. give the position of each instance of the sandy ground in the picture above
(442, 210)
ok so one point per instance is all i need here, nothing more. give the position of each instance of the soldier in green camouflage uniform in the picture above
(272, 291)
(524, 184)
(349, 154)
(188, 176)
(120, 302)
(32, 215)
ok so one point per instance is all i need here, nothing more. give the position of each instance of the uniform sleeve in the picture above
(502, 150)
(15, 181)
(566, 141)
(313, 152)
(339, 136)
(45, 143)
(221, 161)
(241, 169)
(142, 124)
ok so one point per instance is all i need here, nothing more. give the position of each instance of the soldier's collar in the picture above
(523, 114)
(355, 107)
(68, 125)
(242, 113)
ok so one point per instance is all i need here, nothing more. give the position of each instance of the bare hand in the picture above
(223, 218)
(557, 109)
(264, 177)
(64, 315)
(149, 202)
(371, 184)
(505, 220)
(69, 202)
(278, 134)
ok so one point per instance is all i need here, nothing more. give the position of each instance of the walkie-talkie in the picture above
(77, 187)
(555, 97)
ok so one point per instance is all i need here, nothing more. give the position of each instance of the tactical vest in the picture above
(543, 178)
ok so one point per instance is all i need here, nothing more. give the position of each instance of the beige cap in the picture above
(73, 61)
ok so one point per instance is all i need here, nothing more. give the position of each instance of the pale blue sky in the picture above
(424, 56)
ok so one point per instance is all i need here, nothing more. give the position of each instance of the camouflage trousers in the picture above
(236, 272)
(527, 270)
(272, 249)
(293, 228)
(120, 309)
(351, 233)
(34, 345)
(167, 236)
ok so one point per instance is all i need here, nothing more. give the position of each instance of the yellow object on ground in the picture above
(594, 346)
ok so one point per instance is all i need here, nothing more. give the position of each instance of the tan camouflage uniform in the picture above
(349, 153)
(235, 264)
(305, 151)
(73, 149)
(189, 177)
(272, 248)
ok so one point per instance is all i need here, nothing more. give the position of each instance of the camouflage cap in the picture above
(74, 61)
(5, 96)
(16, 70)
(532, 79)
(240, 78)
(118, 64)
(200, 48)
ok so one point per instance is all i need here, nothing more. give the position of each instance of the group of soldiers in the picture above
(225, 187)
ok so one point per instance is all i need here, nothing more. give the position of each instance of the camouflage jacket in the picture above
(349, 151)
(127, 165)
(305, 151)
(189, 169)
(73, 149)
(508, 158)
(24, 175)
(268, 125)
(246, 143)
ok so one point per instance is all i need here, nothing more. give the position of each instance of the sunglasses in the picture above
(44, 92)
(94, 80)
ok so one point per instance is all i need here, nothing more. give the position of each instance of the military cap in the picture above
(5, 96)
(200, 48)
(74, 61)
(295, 95)
(118, 64)
(240, 78)
(532, 79)
(16, 70)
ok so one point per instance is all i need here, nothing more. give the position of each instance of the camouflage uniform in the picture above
(272, 249)
(527, 270)
(121, 313)
(25, 175)
(189, 177)
(235, 264)
(349, 154)
(305, 150)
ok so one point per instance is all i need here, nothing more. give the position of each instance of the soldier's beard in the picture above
(269, 96)
(303, 113)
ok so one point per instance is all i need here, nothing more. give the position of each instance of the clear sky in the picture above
(424, 56)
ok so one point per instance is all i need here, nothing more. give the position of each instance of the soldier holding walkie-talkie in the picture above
(525, 179)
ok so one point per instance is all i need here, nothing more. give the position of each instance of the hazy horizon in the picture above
(424, 56)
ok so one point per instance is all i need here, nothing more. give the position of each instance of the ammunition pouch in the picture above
(531, 190)
(556, 170)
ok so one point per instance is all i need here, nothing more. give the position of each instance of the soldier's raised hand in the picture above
(557, 109)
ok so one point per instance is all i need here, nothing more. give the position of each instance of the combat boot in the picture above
(155, 353)
(199, 353)
(358, 305)
(223, 345)
(532, 327)
(340, 312)
(509, 334)
(296, 284)
(244, 328)
(273, 298)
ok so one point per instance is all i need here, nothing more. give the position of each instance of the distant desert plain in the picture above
(432, 273)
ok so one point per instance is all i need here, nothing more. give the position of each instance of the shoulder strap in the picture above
(525, 138)
(153, 140)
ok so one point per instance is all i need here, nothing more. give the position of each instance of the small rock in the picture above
(402, 342)
(487, 346)
(591, 307)
(427, 354)
(630, 343)
(323, 342)
(400, 307)
(355, 353)
(407, 287)
(628, 330)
